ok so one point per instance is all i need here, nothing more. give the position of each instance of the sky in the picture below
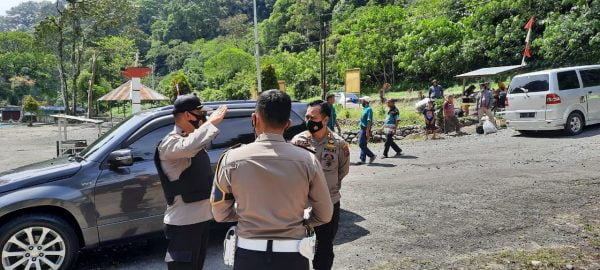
(7, 4)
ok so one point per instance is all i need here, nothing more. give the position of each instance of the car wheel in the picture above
(38, 242)
(574, 124)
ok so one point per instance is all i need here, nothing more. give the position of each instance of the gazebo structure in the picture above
(123, 94)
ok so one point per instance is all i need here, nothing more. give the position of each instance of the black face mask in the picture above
(196, 123)
(313, 126)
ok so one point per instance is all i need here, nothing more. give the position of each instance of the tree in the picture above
(186, 20)
(170, 84)
(224, 66)
(572, 38)
(30, 105)
(76, 28)
(20, 57)
(26, 15)
(367, 41)
(269, 78)
(431, 49)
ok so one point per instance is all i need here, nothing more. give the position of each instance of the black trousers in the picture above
(325, 235)
(261, 260)
(187, 246)
(389, 142)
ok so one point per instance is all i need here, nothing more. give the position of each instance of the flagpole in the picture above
(528, 26)
(526, 46)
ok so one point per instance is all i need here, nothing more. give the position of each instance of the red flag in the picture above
(527, 51)
(529, 24)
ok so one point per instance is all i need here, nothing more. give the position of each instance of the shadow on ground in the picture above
(589, 131)
(348, 230)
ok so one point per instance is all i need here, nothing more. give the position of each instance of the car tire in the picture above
(38, 240)
(575, 124)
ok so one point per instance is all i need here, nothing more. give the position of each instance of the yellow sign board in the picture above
(281, 85)
(352, 81)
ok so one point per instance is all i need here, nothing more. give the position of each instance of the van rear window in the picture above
(529, 84)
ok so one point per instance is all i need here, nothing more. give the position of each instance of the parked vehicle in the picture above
(108, 193)
(565, 98)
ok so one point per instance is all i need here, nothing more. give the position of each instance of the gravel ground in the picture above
(500, 201)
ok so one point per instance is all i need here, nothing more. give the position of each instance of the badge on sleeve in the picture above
(346, 150)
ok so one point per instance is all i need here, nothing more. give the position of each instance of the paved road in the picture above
(445, 200)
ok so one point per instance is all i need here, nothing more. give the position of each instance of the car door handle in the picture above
(589, 92)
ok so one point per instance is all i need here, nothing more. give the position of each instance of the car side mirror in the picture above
(120, 158)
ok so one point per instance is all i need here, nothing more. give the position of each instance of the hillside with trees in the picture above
(46, 48)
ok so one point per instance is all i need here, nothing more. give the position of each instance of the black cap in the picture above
(185, 103)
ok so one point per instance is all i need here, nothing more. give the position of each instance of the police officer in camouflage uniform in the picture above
(334, 155)
(186, 177)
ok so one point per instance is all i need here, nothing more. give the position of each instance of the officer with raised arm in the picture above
(334, 155)
(265, 186)
(186, 176)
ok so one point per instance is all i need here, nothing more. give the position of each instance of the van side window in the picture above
(590, 77)
(567, 80)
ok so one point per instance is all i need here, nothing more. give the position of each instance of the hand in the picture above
(301, 143)
(369, 135)
(217, 116)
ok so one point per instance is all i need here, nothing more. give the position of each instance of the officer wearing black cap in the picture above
(186, 176)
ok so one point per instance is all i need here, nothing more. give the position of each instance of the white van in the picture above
(565, 98)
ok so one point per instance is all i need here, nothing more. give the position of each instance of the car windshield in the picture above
(126, 124)
(529, 84)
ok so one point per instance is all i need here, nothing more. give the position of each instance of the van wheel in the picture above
(574, 124)
(38, 242)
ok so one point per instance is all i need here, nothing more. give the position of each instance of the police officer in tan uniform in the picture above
(333, 154)
(265, 186)
(186, 177)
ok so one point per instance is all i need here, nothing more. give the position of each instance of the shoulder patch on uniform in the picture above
(346, 150)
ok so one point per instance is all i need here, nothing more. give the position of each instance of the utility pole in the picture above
(322, 56)
(90, 110)
(257, 52)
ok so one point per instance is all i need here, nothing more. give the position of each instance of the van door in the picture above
(570, 92)
(591, 87)
(527, 98)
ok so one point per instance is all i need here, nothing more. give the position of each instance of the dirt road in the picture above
(500, 201)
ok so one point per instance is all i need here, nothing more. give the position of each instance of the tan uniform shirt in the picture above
(176, 152)
(334, 155)
(273, 182)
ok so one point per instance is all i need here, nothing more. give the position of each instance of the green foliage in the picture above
(210, 94)
(431, 49)
(30, 104)
(367, 41)
(210, 43)
(22, 62)
(223, 67)
(300, 71)
(269, 78)
(176, 80)
(26, 15)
